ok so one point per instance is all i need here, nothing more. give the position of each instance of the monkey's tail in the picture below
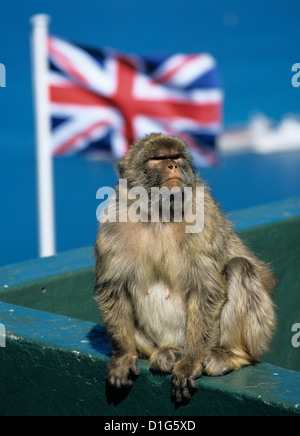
(248, 317)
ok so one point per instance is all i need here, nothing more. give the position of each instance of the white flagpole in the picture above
(46, 212)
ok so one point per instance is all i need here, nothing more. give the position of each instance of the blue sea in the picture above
(255, 42)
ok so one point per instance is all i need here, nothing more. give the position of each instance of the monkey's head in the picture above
(158, 161)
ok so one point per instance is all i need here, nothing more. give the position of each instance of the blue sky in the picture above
(255, 42)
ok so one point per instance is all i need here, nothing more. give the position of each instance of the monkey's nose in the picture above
(172, 167)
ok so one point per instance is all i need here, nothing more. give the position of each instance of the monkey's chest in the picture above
(161, 314)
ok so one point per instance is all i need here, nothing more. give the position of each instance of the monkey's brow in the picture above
(175, 157)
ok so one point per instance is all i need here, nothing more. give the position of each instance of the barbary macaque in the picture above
(189, 303)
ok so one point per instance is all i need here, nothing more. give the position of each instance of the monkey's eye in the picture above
(178, 157)
(159, 158)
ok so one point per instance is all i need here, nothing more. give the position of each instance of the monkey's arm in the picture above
(203, 310)
(117, 314)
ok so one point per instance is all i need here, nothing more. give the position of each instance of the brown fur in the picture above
(189, 303)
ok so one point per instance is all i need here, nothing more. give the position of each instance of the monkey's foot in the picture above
(163, 359)
(185, 372)
(120, 369)
(221, 362)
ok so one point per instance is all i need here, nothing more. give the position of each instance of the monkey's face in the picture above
(166, 167)
(158, 161)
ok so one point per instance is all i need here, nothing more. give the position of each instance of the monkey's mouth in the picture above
(174, 181)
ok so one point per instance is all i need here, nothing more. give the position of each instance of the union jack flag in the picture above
(105, 100)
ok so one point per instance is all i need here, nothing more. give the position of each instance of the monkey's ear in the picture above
(121, 168)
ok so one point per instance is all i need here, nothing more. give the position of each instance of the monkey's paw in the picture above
(183, 383)
(216, 363)
(120, 369)
(220, 362)
(164, 359)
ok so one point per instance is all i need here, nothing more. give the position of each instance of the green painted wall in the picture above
(56, 353)
(52, 366)
(279, 244)
(70, 293)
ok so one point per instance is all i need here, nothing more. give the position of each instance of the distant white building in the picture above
(262, 136)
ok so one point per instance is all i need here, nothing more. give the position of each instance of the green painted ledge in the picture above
(52, 366)
(56, 353)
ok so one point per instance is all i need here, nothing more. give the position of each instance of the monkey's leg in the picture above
(117, 315)
(163, 359)
(202, 328)
(246, 323)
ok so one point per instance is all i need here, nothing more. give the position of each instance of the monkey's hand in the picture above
(185, 371)
(120, 368)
